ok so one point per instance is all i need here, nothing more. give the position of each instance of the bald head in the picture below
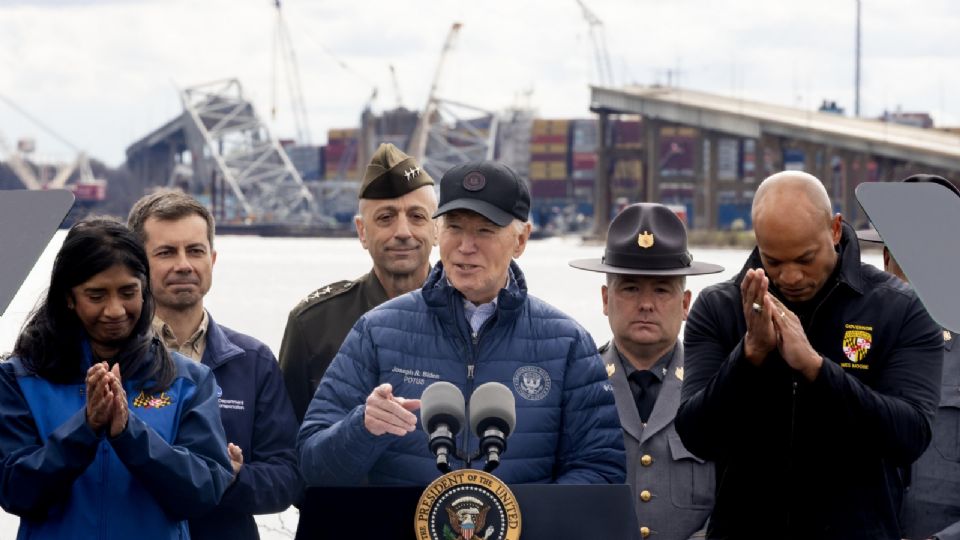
(792, 191)
(796, 235)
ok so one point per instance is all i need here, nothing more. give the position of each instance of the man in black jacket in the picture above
(811, 379)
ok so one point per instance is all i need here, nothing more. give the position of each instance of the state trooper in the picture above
(395, 225)
(645, 299)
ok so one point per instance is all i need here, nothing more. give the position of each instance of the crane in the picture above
(284, 57)
(87, 188)
(418, 143)
(396, 86)
(20, 169)
(598, 41)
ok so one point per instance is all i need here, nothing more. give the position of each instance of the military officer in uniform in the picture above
(395, 225)
(645, 300)
(931, 505)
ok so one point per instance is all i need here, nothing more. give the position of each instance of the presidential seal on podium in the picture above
(465, 505)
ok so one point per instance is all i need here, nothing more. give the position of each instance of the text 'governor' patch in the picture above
(857, 340)
(532, 382)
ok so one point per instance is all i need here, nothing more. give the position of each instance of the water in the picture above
(258, 280)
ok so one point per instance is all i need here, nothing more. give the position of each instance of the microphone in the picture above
(493, 415)
(442, 415)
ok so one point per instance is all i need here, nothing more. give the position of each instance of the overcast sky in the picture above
(104, 73)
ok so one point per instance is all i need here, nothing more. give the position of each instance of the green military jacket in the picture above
(315, 330)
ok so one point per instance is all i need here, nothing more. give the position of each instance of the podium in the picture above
(549, 511)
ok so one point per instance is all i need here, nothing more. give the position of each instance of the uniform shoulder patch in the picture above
(324, 293)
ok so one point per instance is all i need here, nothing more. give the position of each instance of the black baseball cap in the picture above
(488, 188)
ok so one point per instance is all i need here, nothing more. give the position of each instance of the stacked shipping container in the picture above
(308, 160)
(549, 148)
(340, 154)
(627, 175)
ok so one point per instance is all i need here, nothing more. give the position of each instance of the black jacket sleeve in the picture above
(893, 419)
(717, 378)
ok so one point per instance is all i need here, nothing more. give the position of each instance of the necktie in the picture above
(645, 397)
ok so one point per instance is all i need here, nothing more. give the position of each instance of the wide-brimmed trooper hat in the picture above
(647, 239)
(871, 235)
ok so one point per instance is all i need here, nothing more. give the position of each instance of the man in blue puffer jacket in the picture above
(471, 323)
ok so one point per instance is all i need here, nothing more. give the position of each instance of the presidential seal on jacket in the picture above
(467, 504)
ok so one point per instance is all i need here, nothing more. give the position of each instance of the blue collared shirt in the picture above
(478, 314)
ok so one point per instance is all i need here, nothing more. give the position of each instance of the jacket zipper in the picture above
(794, 391)
(471, 368)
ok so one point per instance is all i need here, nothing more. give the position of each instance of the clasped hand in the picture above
(770, 325)
(106, 399)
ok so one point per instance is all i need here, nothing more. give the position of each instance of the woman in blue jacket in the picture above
(105, 434)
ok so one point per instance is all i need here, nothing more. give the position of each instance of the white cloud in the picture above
(102, 73)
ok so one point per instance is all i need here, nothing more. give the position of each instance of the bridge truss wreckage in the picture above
(219, 145)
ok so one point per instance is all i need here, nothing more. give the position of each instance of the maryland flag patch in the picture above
(856, 343)
(148, 401)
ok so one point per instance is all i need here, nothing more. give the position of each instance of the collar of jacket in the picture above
(848, 259)
(219, 347)
(439, 294)
(373, 292)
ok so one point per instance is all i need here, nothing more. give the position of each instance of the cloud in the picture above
(104, 73)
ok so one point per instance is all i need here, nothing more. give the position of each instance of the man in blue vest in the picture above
(472, 322)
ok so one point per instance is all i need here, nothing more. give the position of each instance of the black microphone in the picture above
(441, 413)
(493, 415)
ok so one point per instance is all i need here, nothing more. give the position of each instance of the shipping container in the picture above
(550, 127)
(548, 188)
(548, 156)
(627, 134)
(307, 160)
(548, 170)
(728, 159)
(549, 148)
(749, 168)
(583, 190)
(677, 151)
(628, 169)
(674, 191)
(734, 215)
(91, 191)
(584, 161)
(793, 159)
(550, 139)
(584, 135)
